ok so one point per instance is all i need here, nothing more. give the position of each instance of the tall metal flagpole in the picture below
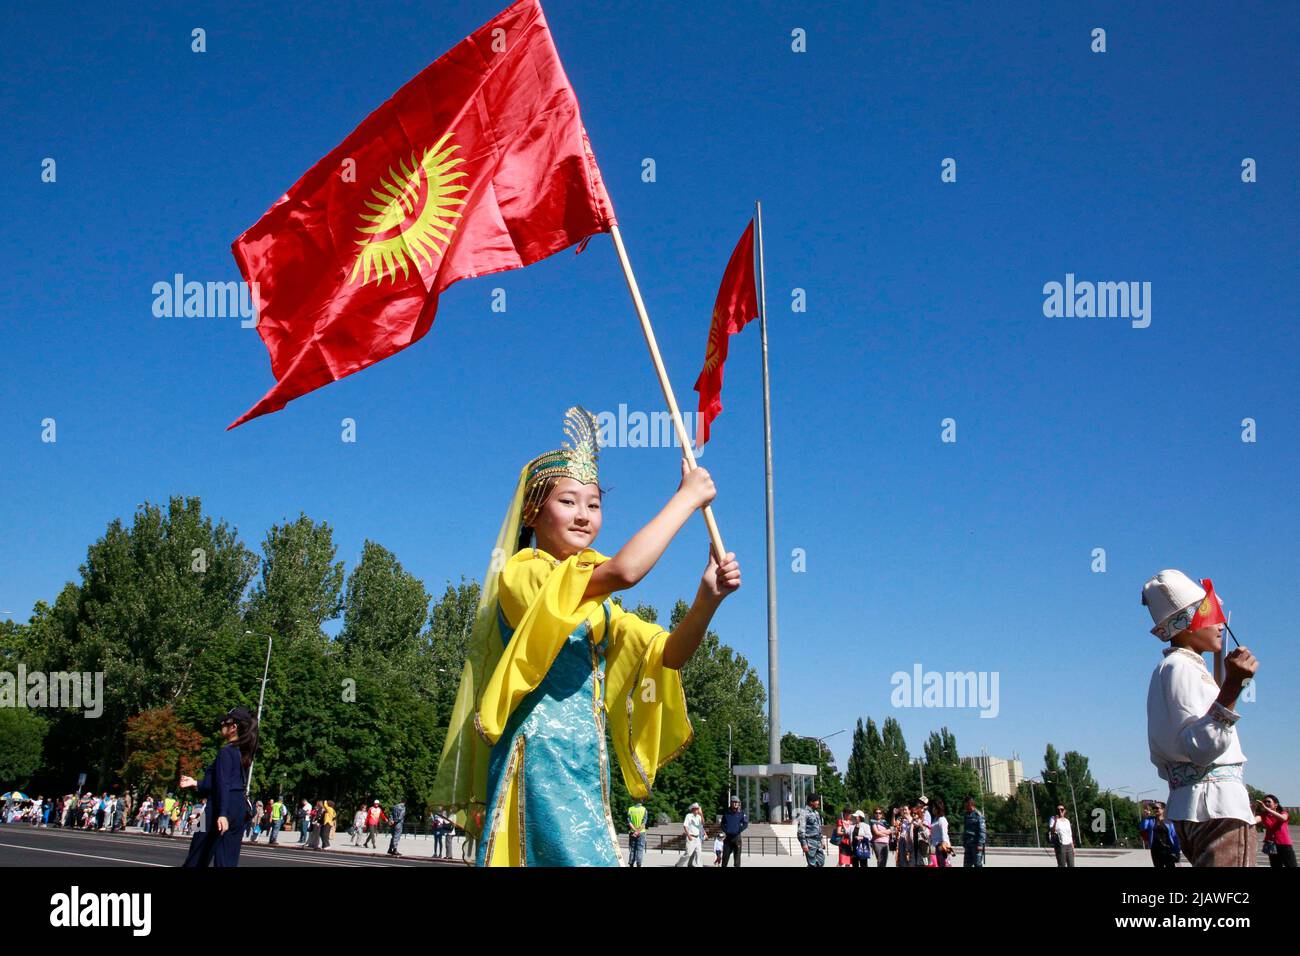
(714, 535)
(773, 690)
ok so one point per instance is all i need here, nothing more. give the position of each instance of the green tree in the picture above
(150, 599)
(309, 737)
(301, 587)
(899, 780)
(22, 736)
(829, 783)
(858, 771)
(385, 609)
(159, 749)
(446, 639)
(873, 773)
(945, 777)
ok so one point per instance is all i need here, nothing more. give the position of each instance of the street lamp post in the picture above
(821, 746)
(1075, 803)
(1034, 804)
(261, 697)
(730, 731)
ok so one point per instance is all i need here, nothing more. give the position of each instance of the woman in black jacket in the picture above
(224, 785)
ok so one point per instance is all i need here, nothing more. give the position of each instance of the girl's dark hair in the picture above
(246, 739)
(525, 539)
(939, 809)
(1273, 797)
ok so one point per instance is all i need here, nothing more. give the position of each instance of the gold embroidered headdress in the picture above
(576, 460)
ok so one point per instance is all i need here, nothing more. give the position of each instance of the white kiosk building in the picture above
(784, 783)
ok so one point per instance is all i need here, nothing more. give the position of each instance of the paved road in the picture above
(25, 846)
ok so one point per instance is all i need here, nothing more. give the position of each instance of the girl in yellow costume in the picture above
(551, 659)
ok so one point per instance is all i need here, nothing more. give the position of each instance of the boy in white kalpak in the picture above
(1191, 725)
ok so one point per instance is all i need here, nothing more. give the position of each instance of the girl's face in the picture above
(570, 519)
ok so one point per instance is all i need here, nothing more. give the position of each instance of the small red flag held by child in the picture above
(1210, 611)
(736, 305)
(477, 165)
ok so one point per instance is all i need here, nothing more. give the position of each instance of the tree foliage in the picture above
(178, 614)
(160, 748)
(22, 737)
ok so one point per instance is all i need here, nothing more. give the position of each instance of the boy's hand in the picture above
(696, 485)
(721, 579)
(1240, 665)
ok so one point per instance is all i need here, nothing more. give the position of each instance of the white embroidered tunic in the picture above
(1193, 741)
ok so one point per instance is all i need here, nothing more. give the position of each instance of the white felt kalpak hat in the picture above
(1172, 598)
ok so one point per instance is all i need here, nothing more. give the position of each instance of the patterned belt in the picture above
(1187, 774)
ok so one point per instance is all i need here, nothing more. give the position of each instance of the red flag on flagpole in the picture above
(737, 304)
(477, 165)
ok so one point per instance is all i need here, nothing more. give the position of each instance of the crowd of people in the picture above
(314, 822)
(922, 835)
(916, 835)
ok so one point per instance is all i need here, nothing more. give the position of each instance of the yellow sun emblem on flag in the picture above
(711, 351)
(413, 217)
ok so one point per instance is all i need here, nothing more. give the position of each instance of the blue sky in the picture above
(924, 302)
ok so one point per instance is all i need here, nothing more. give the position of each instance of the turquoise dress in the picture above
(557, 736)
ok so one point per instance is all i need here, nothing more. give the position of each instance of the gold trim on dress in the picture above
(598, 715)
(508, 779)
(478, 729)
(521, 796)
(631, 739)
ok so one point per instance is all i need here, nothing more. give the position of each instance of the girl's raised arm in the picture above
(635, 559)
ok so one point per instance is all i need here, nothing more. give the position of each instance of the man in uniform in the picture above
(810, 831)
(974, 836)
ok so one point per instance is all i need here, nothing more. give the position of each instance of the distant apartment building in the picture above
(997, 774)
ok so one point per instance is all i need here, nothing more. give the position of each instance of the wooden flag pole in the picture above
(715, 536)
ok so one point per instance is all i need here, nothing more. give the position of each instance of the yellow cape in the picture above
(644, 700)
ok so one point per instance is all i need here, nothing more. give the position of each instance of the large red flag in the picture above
(737, 304)
(478, 165)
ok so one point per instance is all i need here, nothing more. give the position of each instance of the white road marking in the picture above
(89, 856)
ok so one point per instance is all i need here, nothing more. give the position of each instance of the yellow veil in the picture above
(461, 784)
